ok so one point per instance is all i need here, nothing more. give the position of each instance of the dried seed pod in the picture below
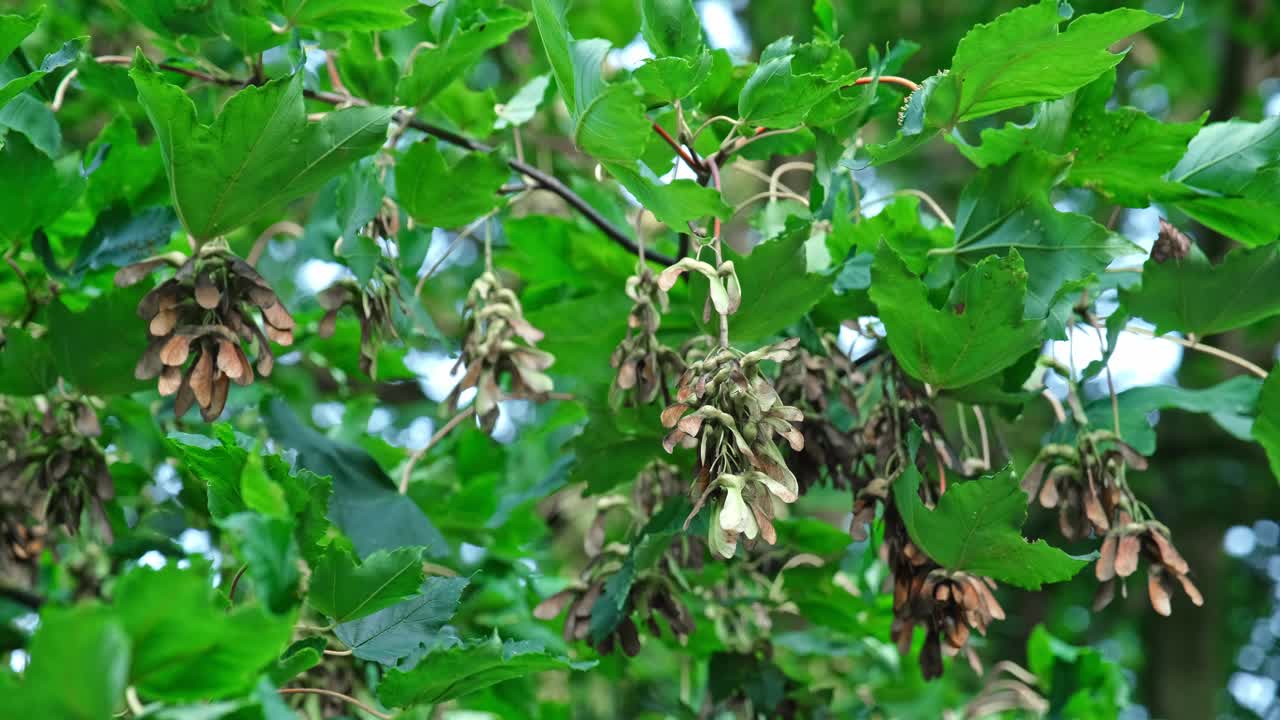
(645, 365)
(199, 320)
(492, 352)
(1171, 243)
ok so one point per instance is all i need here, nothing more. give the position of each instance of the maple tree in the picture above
(382, 359)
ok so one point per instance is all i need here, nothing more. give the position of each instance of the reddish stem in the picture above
(684, 154)
(890, 79)
(231, 591)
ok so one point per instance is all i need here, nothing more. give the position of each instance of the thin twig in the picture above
(283, 227)
(331, 693)
(684, 154)
(60, 94)
(716, 243)
(709, 122)
(421, 452)
(783, 169)
(760, 175)
(1111, 385)
(889, 80)
(466, 232)
(729, 149)
(338, 653)
(1207, 349)
(235, 581)
(771, 196)
(982, 434)
(926, 197)
(1058, 411)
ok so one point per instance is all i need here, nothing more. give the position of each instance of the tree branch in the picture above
(543, 180)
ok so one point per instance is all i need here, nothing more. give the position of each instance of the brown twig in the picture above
(235, 581)
(684, 154)
(422, 452)
(334, 694)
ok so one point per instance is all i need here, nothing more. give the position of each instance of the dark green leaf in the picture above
(344, 589)
(401, 634)
(450, 673)
(89, 348)
(978, 332)
(671, 27)
(441, 195)
(1235, 168)
(1266, 428)
(976, 528)
(79, 667)
(34, 190)
(268, 549)
(435, 68)
(675, 203)
(1192, 296)
(259, 153)
(1230, 403)
(186, 646)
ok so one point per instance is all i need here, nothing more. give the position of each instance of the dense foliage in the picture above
(384, 358)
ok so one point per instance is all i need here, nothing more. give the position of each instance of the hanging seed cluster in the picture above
(51, 472)
(729, 411)
(948, 604)
(815, 383)
(645, 366)
(724, 293)
(373, 305)
(499, 344)
(1086, 483)
(200, 320)
(652, 594)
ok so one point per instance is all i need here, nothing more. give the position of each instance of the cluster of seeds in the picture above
(52, 471)
(1086, 483)
(374, 307)
(645, 366)
(652, 593)
(494, 323)
(199, 320)
(729, 411)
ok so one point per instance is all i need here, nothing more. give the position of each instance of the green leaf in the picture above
(647, 549)
(675, 203)
(358, 15)
(899, 227)
(1231, 403)
(614, 447)
(609, 120)
(1008, 208)
(671, 78)
(1192, 296)
(447, 674)
(401, 634)
(186, 645)
(777, 287)
(268, 549)
(1266, 428)
(976, 528)
(26, 364)
(297, 659)
(128, 171)
(15, 28)
(344, 589)
(439, 195)
(365, 504)
(1234, 167)
(120, 237)
(259, 153)
(1121, 154)
(79, 666)
(671, 27)
(1021, 58)
(435, 68)
(978, 332)
(791, 80)
(109, 369)
(28, 116)
(522, 106)
(65, 55)
(34, 190)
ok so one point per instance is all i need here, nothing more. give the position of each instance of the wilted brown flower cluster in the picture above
(373, 306)
(494, 322)
(198, 320)
(645, 366)
(728, 409)
(1086, 483)
(814, 382)
(948, 604)
(51, 471)
(652, 593)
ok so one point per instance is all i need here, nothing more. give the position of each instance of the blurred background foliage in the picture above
(518, 535)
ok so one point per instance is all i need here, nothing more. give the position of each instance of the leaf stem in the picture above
(332, 693)
(235, 581)
(1196, 345)
(889, 80)
(684, 154)
(714, 167)
(928, 200)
